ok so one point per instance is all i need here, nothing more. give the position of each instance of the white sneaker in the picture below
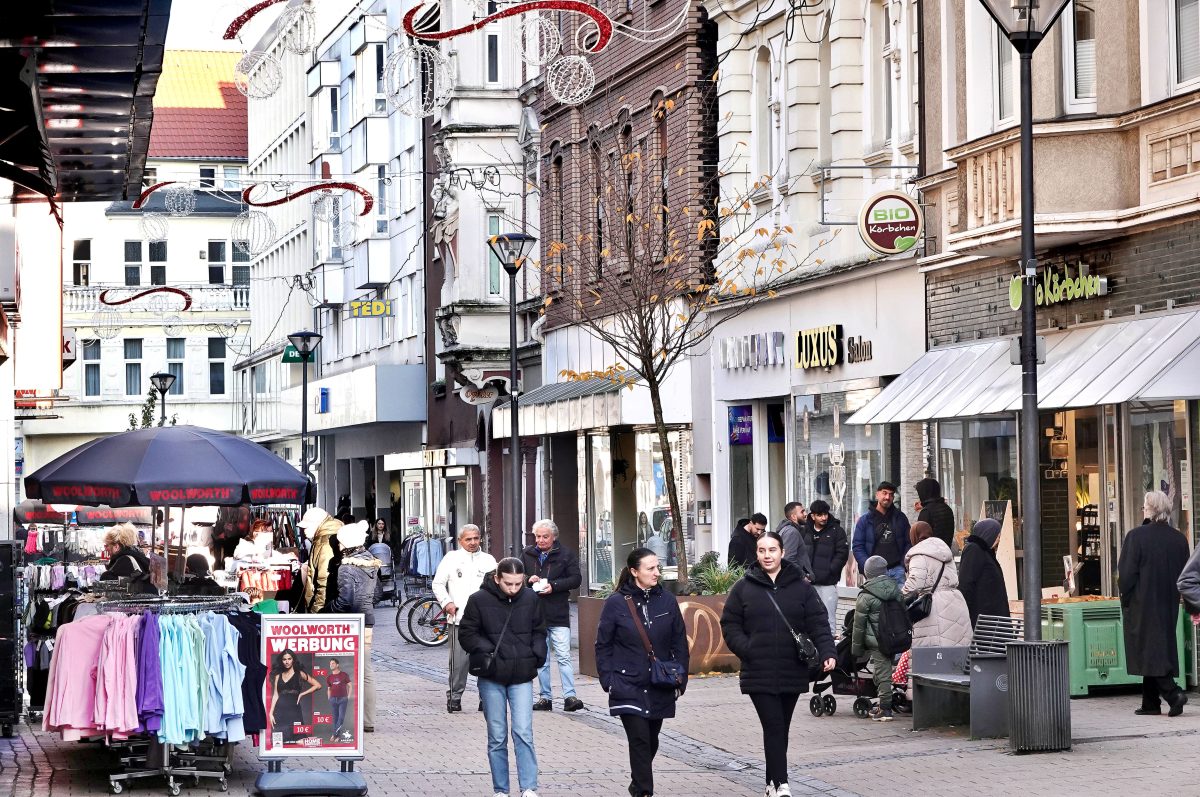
(783, 790)
(770, 792)
(500, 794)
(529, 793)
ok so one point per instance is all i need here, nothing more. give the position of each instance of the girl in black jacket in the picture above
(504, 618)
(980, 579)
(624, 664)
(772, 672)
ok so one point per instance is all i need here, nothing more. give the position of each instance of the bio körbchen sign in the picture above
(1057, 286)
(891, 222)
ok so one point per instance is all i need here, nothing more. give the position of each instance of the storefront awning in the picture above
(563, 407)
(1146, 357)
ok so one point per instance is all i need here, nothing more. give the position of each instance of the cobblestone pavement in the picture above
(711, 748)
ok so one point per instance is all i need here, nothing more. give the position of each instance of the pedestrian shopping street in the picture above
(711, 748)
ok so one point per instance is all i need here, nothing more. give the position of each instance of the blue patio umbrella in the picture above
(168, 466)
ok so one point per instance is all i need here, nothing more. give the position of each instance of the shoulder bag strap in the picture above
(933, 589)
(503, 628)
(637, 623)
(782, 616)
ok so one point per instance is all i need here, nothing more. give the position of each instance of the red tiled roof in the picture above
(198, 112)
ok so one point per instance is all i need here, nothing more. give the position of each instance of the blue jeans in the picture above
(898, 575)
(498, 700)
(339, 712)
(558, 640)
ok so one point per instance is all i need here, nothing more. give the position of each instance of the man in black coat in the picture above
(1152, 557)
(743, 543)
(935, 511)
(552, 572)
(828, 549)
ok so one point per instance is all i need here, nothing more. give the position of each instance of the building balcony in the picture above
(204, 297)
(1093, 179)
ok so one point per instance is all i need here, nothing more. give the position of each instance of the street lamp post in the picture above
(1025, 23)
(162, 382)
(511, 249)
(305, 342)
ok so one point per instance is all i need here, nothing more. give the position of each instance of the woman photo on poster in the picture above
(290, 683)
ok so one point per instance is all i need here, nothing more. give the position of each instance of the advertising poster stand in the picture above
(313, 698)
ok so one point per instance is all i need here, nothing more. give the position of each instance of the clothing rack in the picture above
(171, 605)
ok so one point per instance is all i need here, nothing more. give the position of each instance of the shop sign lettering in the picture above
(374, 308)
(479, 395)
(753, 351)
(1055, 287)
(891, 222)
(820, 347)
(858, 350)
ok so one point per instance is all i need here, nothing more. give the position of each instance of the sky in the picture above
(198, 24)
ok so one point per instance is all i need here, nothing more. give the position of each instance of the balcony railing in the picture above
(204, 297)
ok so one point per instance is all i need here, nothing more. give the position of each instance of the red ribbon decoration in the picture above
(596, 15)
(141, 200)
(368, 200)
(187, 298)
(236, 26)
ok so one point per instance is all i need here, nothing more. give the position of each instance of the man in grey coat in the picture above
(794, 549)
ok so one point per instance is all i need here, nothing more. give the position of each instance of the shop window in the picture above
(1157, 445)
(741, 462)
(655, 527)
(977, 462)
(596, 477)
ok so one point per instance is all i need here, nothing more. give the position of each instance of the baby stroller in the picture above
(387, 572)
(850, 677)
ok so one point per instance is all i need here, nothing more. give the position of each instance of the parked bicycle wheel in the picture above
(402, 614)
(428, 623)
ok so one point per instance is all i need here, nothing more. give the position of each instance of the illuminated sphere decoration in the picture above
(174, 327)
(154, 227)
(571, 79)
(324, 206)
(345, 232)
(104, 322)
(418, 80)
(301, 26)
(180, 200)
(540, 41)
(258, 75)
(253, 232)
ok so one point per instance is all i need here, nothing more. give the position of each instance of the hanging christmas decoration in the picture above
(180, 200)
(258, 75)
(419, 80)
(301, 26)
(571, 79)
(540, 40)
(324, 206)
(173, 327)
(105, 325)
(154, 227)
(141, 200)
(345, 232)
(253, 232)
(187, 297)
(368, 199)
(240, 21)
(604, 25)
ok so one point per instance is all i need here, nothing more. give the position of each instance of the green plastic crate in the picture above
(1096, 650)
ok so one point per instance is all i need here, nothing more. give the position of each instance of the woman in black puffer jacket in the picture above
(505, 617)
(772, 672)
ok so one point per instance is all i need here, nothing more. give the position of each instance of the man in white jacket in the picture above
(458, 576)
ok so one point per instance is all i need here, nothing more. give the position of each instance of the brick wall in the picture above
(1146, 269)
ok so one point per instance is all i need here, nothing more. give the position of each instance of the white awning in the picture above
(1146, 357)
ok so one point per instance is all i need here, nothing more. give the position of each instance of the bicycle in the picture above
(428, 623)
(403, 612)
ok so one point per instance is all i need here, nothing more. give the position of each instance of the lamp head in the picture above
(162, 382)
(511, 248)
(305, 342)
(1025, 22)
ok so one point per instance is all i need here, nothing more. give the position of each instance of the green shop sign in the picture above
(290, 355)
(1059, 287)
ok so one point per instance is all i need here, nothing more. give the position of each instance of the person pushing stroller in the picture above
(868, 616)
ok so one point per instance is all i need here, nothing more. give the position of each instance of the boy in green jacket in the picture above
(880, 587)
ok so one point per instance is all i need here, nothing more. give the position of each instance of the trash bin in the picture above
(1039, 697)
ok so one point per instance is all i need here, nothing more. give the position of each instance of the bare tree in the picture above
(649, 249)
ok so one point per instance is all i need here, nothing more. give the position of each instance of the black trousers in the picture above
(1154, 686)
(642, 734)
(775, 715)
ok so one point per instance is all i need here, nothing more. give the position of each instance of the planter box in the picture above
(701, 617)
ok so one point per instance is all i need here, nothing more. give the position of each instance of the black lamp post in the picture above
(512, 249)
(162, 383)
(1025, 23)
(306, 346)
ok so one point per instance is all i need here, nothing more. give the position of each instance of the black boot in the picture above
(453, 705)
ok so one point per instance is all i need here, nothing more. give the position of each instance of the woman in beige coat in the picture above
(949, 624)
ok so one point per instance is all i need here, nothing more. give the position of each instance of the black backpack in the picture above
(894, 631)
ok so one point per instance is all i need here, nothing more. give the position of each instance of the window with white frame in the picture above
(175, 356)
(81, 261)
(1185, 18)
(492, 55)
(91, 368)
(382, 182)
(240, 270)
(208, 177)
(884, 48)
(217, 253)
(1005, 84)
(764, 96)
(335, 117)
(406, 319)
(158, 262)
(231, 178)
(133, 366)
(380, 78)
(1079, 57)
(133, 262)
(494, 265)
(216, 366)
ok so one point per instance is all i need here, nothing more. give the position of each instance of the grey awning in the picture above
(1146, 357)
(573, 406)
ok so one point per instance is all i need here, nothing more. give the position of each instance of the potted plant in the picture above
(708, 583)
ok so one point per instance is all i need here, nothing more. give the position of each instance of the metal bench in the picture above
(941, 687)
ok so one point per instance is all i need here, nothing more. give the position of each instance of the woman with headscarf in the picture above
(929, 569)
(980, 579)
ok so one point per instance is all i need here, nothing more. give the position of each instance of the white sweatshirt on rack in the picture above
(458, 577)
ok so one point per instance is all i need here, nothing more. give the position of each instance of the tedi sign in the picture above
(1057, 286)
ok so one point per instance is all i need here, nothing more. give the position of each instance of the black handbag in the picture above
(805, 648)
(663, 674)
(483, 665)
(921, 606)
